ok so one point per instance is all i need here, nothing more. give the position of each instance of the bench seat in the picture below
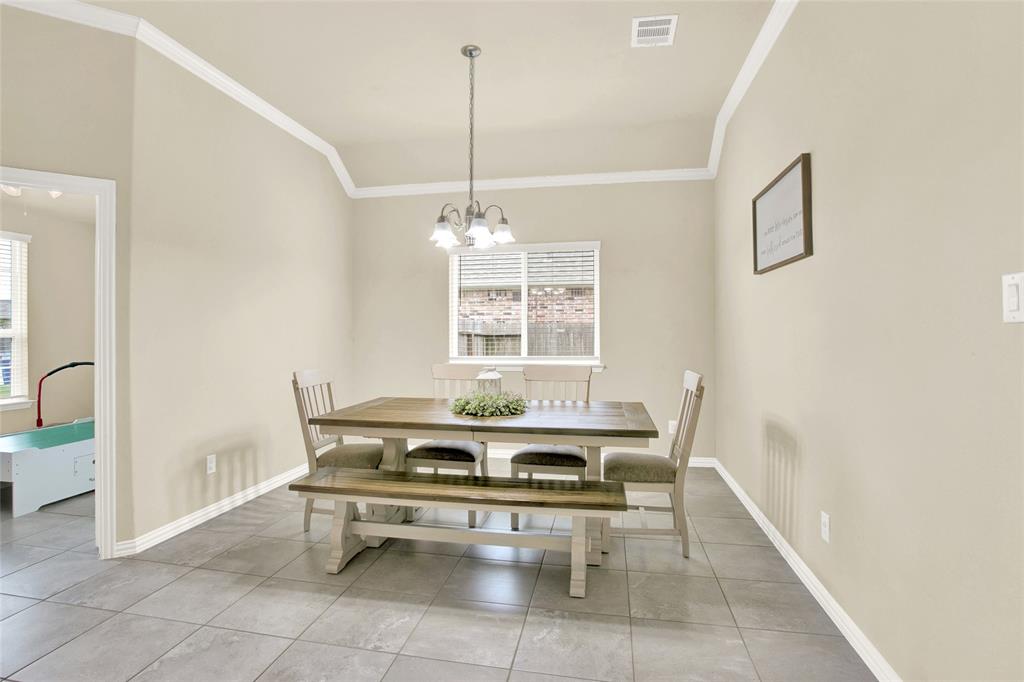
(347, 487)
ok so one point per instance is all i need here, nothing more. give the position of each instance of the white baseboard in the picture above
(871, 656)
(854, 635)
(165, 532)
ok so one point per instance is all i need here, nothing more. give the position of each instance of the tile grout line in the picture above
(271, 664)
(60, 646)
(29, 565)
(336, 599)
(629, 610)
(51, 600)
(55, 556)
(526, 616)
(173, 646)
(747, 649)
(434, 599)
(424, 614)
(735, 623)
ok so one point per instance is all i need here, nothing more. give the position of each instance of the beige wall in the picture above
(656, 288)
(66, 106)
(233, 257)
(875, 380)
(60, 314)
(239, 276)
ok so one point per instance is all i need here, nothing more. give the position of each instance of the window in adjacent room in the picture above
(526, 303)
(13, 316)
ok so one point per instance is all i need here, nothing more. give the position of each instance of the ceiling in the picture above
(361, 74)
(78, 208)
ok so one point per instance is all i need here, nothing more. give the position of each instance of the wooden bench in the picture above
(346, 487)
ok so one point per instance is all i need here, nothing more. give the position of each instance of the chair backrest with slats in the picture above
(454, 381)
(686, 427)
(314, 396)
(557, 382)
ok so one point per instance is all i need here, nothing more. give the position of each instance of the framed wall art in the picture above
(782, 218)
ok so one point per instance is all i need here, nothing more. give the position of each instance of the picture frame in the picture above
(782, 218)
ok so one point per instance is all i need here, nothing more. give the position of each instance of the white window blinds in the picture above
(526, 301)
(13, 315)
(561, 297)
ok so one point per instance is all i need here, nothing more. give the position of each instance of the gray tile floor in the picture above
(245, 597)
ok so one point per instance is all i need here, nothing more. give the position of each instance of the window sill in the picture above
(15, 404)
(517, 364)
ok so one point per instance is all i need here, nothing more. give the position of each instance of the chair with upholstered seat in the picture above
(553, 382)
(660, 474)
(451, 381)
(314, 396)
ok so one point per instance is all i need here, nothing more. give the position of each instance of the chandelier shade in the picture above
(503, 233)
(441, 230)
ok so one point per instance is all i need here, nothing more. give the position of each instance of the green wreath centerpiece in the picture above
(489, 405)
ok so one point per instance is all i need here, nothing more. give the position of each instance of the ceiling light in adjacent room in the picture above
(11, 190)
(55, 193)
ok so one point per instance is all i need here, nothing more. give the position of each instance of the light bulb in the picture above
(503, 233)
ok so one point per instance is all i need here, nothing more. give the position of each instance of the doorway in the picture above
(74, 451)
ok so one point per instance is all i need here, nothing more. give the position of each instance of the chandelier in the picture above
(473, 221)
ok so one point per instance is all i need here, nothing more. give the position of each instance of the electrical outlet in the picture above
(211, 464)
(826, 527)
(672, 424)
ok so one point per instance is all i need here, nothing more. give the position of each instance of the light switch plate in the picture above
(211, 464)
(826, 527)
(1013, 297)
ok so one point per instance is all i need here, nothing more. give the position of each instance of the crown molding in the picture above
(146, 33)
(81, 13)
(776, 20)
(576, 180)
(150, 35)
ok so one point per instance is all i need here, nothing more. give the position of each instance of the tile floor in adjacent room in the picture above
(245, 596)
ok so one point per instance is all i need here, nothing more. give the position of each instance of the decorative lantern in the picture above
(489, 381)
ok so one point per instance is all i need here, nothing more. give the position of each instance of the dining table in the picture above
(592, 425)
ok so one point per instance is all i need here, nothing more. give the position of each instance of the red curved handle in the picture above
(39, 388)
(39, 403)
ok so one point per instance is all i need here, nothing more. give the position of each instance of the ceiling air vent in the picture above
(654, 31)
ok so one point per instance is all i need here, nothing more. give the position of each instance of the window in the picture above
(536, 302)
(13, 316)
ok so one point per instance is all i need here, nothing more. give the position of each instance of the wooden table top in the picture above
(552, 417)
(493, 490)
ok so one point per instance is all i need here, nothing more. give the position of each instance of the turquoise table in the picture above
(49, 464)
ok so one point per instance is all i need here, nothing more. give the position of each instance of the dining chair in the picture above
(314, 396)
(656, 473)
(552, 382)
(451, 381)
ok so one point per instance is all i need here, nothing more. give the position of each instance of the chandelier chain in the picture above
(472, 88)
(473, 223)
